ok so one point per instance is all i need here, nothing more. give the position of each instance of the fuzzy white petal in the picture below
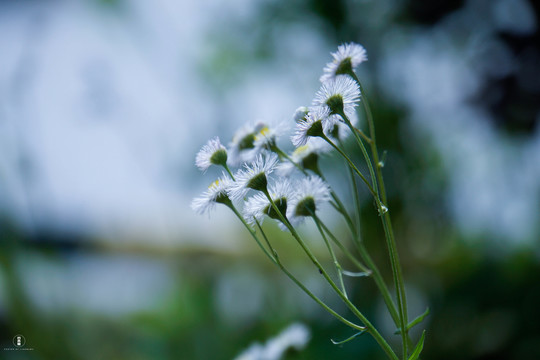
(310, 187)
(301, 133)
(257, 206)
(314, 146)
(206, 202)
(354, 53)
(204, 156)
(238, 152)
(268, 134)
(300, 113)
(343, 86)
(262, 165)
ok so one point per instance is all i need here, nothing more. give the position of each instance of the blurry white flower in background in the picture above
(296, 337)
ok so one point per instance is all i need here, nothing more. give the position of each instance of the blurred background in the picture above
(105, 103)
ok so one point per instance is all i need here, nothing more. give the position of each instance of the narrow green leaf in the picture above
(419, 347)
(348, 339)
(356, 274)
(415, 322)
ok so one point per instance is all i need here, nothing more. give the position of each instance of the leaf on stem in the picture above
(415, 322)
(356, 274)
(419, 347)
(348, 339)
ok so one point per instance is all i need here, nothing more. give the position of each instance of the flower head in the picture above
(217, 193)
(346, 59)
(305, 156)
(296, 336)
(314, 125)
(300, 114)
(338, 129)
(267, 135)
(212, 153)
(242, 147)
(253, 176)
(339, 95)
(258, 205)
(311, 194)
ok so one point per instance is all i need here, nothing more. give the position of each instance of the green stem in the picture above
(364, 136)
(349, 161)
(339, 269)
(229, 172)
(345, 251)
(370, 328)
(387, 224)
(338, 205)
(371, 267)
(306, 290)
(356, 201)
(343, 211)
(363, 149)
(284, 155)
(253, 234)
(275, 259)
(376, 274)
(365, 255)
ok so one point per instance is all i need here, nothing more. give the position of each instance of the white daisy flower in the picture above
(311, 194)
(242, 147)
(258, 206)
(340, 95)
(339, 130)
(300, 114)
(315, 124)
(217, 193)
(346, 59)
(305, 156)
(212, 153)
(253, 176)
(267, 135)
(296, 337)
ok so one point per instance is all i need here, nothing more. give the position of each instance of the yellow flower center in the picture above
(214, 184)
(265, 130)
(301, 150)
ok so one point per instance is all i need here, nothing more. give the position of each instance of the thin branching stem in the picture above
(375, 273)
(351, 164)
(229, 171)
(369, 327)
(339, 269)
(276, 260)
(387, 224)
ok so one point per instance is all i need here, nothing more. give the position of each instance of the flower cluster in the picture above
(254, 147)
(290, 187)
